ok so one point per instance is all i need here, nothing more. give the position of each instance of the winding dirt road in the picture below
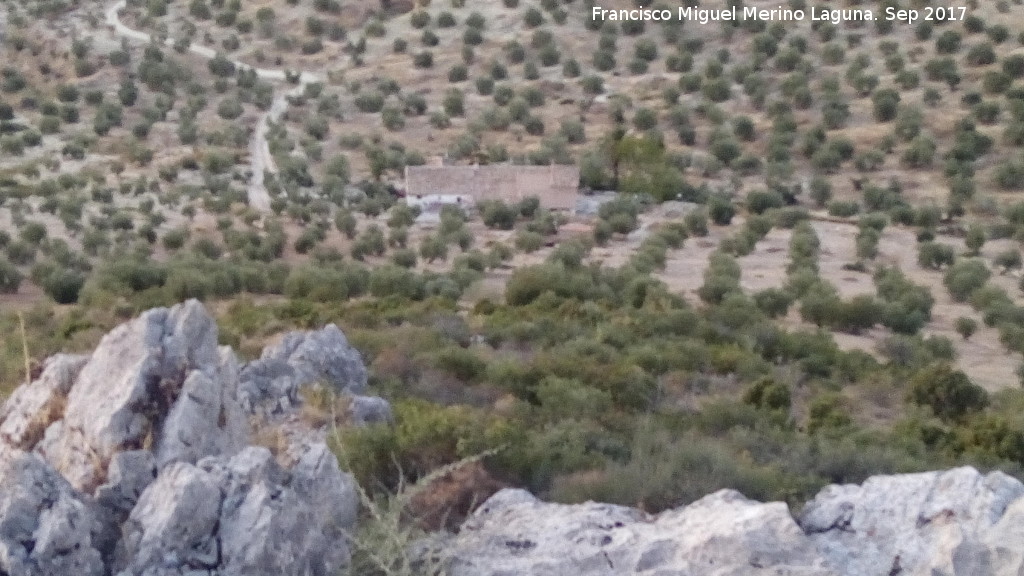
(260, 159)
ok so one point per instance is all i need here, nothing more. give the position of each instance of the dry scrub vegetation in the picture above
(809, 271)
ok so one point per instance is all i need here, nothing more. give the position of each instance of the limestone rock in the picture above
(133, 461)
(928, 523)
(271, 383)
(369, 410)
(129, 474)
(131, 382)
(951, 523)
(206, 418)
(45, 527)
(174, 524)
(1005, 542)
(243, 515)
(32, 408)
(721, 534)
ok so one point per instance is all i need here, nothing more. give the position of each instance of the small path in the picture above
(260, 159)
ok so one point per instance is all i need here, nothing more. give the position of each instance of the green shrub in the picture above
(859, 313)
(424, 59)
(460, 363)
(721, 278)
(10, 277)
(774, 302)
(527, 241)
(886, 104)
(64, 286)
(21, 252)
(404, 257)
(496, 214)
(446, 20)
(433, 248)
(454, 103)
(760, 201)
(33, 233)
(965, 326)
(696, 222)
(867, 243)
(964, 277)
(396, 281)
(533, 17)
(767, 394)
(935, 255)
(370, 243)
(949, 393)
(646, 49)
(326, 284)
(1009, 259)
(721, 210)
(974, 238)
(345, 222)
(948, 42)
(370, 101)
(419, 19)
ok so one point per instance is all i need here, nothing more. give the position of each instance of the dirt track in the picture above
(260, 159)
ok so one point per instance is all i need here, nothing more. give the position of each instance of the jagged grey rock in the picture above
(133, 460)
(950, 523)
(127, 387)
(33, 407)
(243, 515)
(129, 474)
(270, 384)
(45, 527)
(1005, 542)
(174, 525)
(928, 523)
(206, 417)
(721, 534)
(365, 410)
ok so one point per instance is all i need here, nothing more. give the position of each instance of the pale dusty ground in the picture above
(983, 357)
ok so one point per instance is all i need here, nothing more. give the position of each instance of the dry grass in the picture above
(388, 540)
(322, 407)
(269, 436)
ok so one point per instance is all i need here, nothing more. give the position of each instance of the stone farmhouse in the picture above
(557, 187)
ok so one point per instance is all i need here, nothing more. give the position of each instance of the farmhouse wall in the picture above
(556, 186)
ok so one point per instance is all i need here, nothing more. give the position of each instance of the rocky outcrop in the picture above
(721, 534)
(270, 385)
(136, 460)
(953, 523)
(46, 528)
(32, 408)
(929, 523)
(159, 382)
(243, 515)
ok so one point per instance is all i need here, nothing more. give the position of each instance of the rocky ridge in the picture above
(951, 523)
(137, 459)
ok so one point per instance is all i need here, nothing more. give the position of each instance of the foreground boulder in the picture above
(244, 515)
(721, 534)
(137, 459)
(929, 523)
(953, 523)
